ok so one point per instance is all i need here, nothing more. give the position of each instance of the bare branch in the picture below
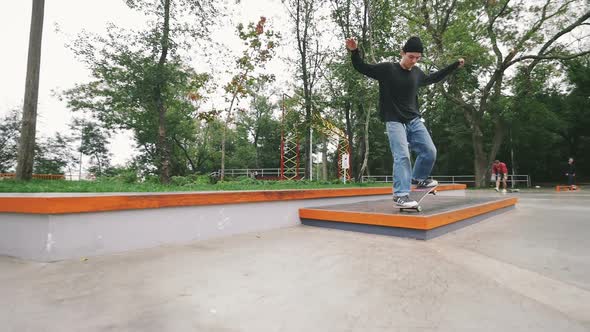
(459, 101)
(491, 33)
(493, 18)
(445, 21)
(529, 34)
(551, 57)
(410, 18)
(542, 54)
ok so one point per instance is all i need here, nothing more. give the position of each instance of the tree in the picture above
(311, 56)
(94, 143)
(26, 151)
(370, 22)
(53, 155)
(259, 130)
(208, 145)
(494, 37)
(9, 134)
(142, 80)
(553, 122)
(260, 49)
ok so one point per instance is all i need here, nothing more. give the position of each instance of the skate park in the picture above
(295, 165)
(255, 268)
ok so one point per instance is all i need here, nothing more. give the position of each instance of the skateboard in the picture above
(418, 195)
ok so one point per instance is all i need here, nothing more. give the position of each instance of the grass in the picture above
(40, 186)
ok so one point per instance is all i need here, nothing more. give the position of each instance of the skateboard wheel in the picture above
(419, 208)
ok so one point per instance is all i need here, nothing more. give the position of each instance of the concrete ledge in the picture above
(55, 203)
(382, 213)
(418, 234)
(117, 224)
(381, 217)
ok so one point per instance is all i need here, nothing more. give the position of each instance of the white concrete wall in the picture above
(57, 237)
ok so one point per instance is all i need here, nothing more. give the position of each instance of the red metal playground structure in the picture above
(290, 148)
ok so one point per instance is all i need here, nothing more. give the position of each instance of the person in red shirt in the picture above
(500, 172)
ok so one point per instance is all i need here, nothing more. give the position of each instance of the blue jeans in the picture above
(403, 137)
(570, 179)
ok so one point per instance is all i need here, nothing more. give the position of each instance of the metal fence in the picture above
(255, 172)
(34, 176)
(465, 179)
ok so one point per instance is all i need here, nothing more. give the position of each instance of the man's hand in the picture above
(461, 62)
(351, 44)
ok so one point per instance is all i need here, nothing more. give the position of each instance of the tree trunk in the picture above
(325, 160)
(349, 135)
(256, 134)
(222, 174)
(98, 162)
(365, 165)
(480, 162)
(308, 114)
(256, 151)
(26, 149)
(164, 151)
(186, 154)
(224, 133)
(302, 45)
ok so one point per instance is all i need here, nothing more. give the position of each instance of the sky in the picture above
(60, 70)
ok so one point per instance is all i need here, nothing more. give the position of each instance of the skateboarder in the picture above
(500, 172)
(571, 173)
(398, 108)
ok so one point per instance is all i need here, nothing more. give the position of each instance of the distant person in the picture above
(500, 173)
(571, 173)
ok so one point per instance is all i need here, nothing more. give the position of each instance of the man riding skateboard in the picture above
(571, 173)
(398, 107)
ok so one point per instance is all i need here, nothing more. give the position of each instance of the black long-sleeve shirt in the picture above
(398, 87)
(571, 169)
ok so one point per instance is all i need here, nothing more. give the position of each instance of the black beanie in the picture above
(413, 44)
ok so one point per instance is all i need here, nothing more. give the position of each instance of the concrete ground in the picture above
(525, 270)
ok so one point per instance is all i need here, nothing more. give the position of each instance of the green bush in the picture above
(181, 180)
(119, 174)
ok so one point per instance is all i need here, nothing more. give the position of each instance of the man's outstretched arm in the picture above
(441, 74)
(373, 71)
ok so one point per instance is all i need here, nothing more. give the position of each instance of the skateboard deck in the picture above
(418, 195)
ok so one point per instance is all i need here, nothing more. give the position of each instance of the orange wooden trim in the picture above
(79, 204)
(379, 219)
(450, 217)
(423, 222)
(566, 188)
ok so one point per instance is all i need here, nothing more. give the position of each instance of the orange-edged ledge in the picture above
(79, 204)
(421, 222)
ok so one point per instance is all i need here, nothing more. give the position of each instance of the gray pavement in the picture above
(525, 270)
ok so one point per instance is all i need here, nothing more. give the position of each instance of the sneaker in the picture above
(496, 189)
(503, 191)
(405, 201)
(428, 183)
